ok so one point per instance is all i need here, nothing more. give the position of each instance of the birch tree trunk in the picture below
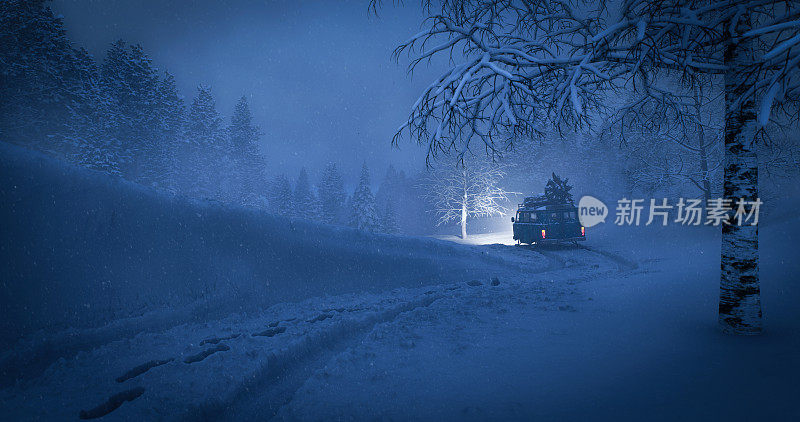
(704, 166)
(464, 218)
(740, 296)
(701, 146)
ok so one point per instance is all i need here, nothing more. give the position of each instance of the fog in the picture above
(319, 74)
(590, 213)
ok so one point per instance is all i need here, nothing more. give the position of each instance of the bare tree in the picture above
(665, 150)
(517, 64)
(467, 190)
(665, 163)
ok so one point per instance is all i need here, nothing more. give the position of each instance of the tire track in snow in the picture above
(276, 378)
(556, 261)
(621, 263)
(283, 372)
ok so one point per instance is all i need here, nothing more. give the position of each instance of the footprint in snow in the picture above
(112, 403)
(141, 369)
(215, 340)
(270, 332)
(321, 317)
(206, 353)
(339, 310)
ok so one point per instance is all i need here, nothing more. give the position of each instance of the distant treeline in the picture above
(125, 117)
(121, 116)
(331, 204)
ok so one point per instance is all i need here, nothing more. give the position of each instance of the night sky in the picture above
(320, 76)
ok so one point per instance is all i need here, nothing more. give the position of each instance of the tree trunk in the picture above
(464, 220)
(704, 167)
(740, 296)
(701, 147)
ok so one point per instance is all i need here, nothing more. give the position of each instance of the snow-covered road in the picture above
(561, 333)
(246, 365)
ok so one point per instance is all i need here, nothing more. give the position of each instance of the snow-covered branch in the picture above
(518, 65)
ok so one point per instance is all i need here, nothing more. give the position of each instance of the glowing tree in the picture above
(465, 191)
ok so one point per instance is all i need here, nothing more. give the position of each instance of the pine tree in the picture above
(114, 67)
(172, 111)
(114, 91)
(362, 213)
(131, 84)
(557, 190)
(248, 162)
(389, 186)
(396, 191)
(204, 151)
(242, 130)
(332, 196)
(388, 219)
(304, 198)
(88, 141)
(142, 79)
(280, 197)
(170, 117)
(37, 68)
(203, 122)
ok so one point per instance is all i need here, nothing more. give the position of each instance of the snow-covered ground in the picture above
(88, 259)
(256, 358)
(621, 328)
(639, 344)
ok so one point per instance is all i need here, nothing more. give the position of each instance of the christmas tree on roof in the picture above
(557, 191)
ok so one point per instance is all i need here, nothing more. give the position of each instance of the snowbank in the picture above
(84, 250)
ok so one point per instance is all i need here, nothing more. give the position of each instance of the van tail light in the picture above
(583, 231)
(542, 234)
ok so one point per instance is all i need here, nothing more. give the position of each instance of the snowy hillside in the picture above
(96, 259)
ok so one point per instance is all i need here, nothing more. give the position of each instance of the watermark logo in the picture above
(591, 211)
(689, 212)
(686, 212)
